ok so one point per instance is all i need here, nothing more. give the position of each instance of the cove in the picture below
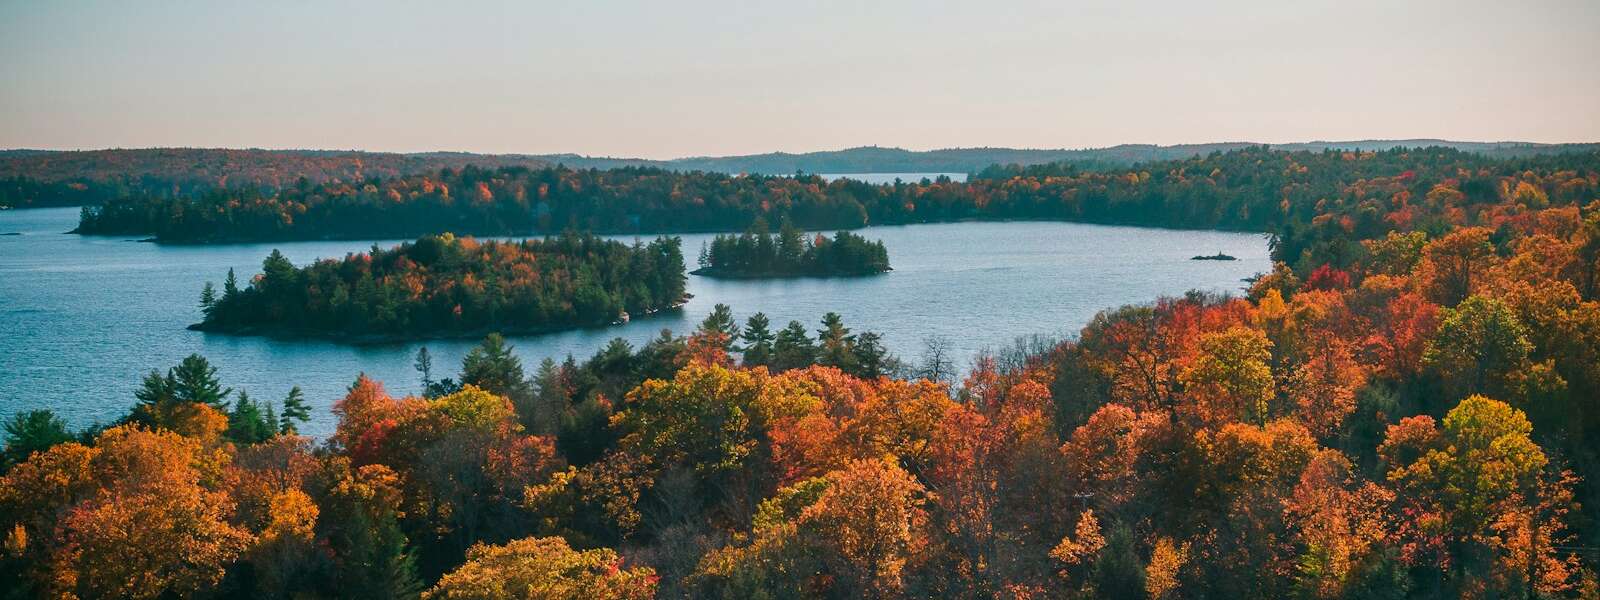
(96, 313)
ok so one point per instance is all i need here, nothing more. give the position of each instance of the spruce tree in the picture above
(246, 423)
(793, 348)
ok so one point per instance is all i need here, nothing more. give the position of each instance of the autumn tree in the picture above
(1230, 379)
(544, 568)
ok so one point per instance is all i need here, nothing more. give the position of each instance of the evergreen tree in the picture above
(294, 410)
(550, 400)
(493, 367)
(208, 298)
(836, 345)
(793, 348)
(157, 388)
(195, 380)
(720, 324)
(32, 431)
(374, 561)
(246, 423)
(791, 245)
(757, 338)
(424, 365)
(230, 287)
(869, 355)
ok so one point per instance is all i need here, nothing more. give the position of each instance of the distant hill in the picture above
(192, 169)
(197, 169)
(874, 159)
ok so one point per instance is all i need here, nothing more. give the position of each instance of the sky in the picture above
(660, 79)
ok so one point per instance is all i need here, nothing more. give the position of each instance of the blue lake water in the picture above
(83, 318)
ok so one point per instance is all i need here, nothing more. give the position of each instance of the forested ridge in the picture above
(757, 253)
(42, 178)
(169, 171)
(444, 285)
(1403, 407)
(1252, 189)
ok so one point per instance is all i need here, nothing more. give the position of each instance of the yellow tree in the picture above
(544, 567)
(1229, 379)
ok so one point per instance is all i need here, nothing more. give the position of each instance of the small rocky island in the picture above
(757, 254)
(1217, 256)
(444, 286)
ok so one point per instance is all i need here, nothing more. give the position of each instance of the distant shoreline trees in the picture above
(759, 254)
(1251, 189)
(448, 286)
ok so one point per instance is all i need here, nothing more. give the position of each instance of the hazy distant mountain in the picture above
(200, 168)
(874, 159)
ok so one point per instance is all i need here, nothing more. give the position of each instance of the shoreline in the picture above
(377, 339)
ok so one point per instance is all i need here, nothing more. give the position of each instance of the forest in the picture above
(39, 178)
(441, 285)
(760, 254)
(1403, 407)
(1250, 189)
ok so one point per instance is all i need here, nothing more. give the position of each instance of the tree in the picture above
(836, 347)
(543, 567)
(1480, 347)
(493, 367)
(1452, 266)
(294, 409)
(424, 366)
(208, 298)
(550, 394)
(793, 348)
(246, 422)
(1478, 474)
(32, 431)
(757, 337)
(153, 529)
(869, 356)
(194, 380)
(1230, 378)
(869, 523)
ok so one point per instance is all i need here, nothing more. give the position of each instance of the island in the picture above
(1217, 256)
(448, 286)
(757, 254)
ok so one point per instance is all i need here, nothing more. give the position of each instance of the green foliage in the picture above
(294, 410)
(757, 338)
(247, 423)
(759, 254)
(32, 431)
(444, 285)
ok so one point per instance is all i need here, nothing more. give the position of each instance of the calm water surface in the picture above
(83, 318)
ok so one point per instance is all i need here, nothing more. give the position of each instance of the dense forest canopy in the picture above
(444, 285)
(49, 178)
(186, 170)
(759, 253)
(1403, 407)
(1293, 194)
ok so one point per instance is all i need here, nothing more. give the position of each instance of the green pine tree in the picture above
(294, 410)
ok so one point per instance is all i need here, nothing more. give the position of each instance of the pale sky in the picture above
(664, 79)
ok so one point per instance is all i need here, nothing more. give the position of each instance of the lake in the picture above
(83, 318)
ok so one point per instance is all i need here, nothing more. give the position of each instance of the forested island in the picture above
(759, 254)
(441, 285)
(1250, 189)
(1403, 407)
